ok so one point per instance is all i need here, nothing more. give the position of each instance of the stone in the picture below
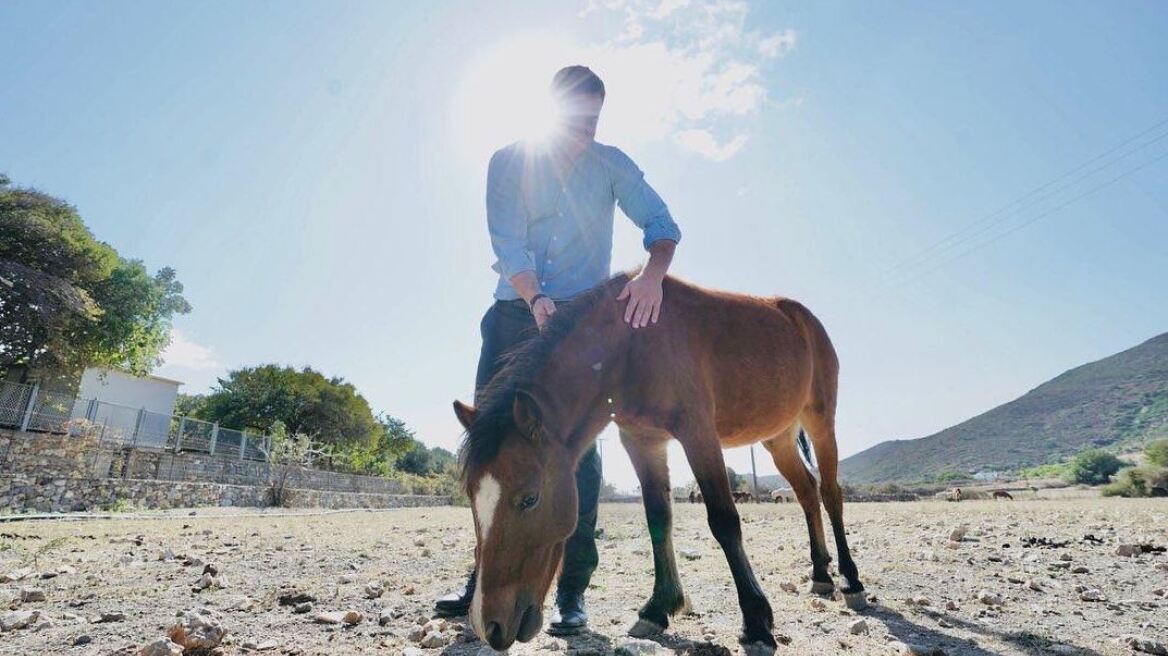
(303, 607)
(18, 619)
(83, 639)
(787, 586)
(256, 645)
(689, 554)
(293, 597)
(958, 533)
(29, 595)
(990, 598)
(204, 582)
(1145, 645)
(15, 575)
(412, 651)
(436, 624)
(639, 647)
(858, 627)
(818, 604)
(919, 601)
(1079, 569)
(910, 649)
(353, 617)
(416, 633)
(433, 640)
(373, 590)
(951, 605)
(197, 629)
(329, 618)
(1033, 585)
(161, 647)
(346, 579)
(244, 604)
(1128, 550)
(1091, 594)
(111, 616)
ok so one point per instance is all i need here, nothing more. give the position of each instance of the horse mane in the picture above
(494, 416)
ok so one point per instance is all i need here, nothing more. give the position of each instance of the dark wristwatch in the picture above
(531, 303)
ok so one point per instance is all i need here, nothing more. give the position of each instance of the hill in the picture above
(1120, 400)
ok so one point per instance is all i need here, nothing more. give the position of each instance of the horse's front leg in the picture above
(649, 460)
(704, 453)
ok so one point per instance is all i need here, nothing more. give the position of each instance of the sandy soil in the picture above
(925, 585)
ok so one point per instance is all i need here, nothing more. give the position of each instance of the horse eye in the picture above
(528, 502)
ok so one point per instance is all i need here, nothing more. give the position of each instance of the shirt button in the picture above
(555, 238)
(549, 261)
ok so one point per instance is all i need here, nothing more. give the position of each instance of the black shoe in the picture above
(569, 617)
(455, 604)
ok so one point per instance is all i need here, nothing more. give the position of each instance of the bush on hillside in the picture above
(1094, 467)
(1139, 482)
(1157, 453)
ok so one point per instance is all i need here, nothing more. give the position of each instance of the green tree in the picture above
(1093, 467)
(736, 479)
(327, 409)
(68, 301)
(1157, 453)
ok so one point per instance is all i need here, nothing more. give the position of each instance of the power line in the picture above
(981, 225)
(1033, 219)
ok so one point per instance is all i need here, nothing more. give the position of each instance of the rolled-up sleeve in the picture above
(506, 219)
(639, 202)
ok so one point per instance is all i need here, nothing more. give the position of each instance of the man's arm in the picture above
(646, 209)
(507, 224)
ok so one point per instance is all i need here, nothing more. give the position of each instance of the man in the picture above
(550, 210)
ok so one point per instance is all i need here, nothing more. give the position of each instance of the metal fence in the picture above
(32, 409)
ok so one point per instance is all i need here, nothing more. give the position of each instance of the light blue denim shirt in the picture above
(561, 227)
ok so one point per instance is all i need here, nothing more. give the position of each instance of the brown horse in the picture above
(718, 370)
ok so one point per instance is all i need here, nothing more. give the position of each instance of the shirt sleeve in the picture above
(639, 202)
(506, 218)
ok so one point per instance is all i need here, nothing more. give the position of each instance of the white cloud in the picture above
(704, 143)
(187, 354)
(684, 70)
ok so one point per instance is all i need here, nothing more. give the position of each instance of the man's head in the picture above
(579, 95)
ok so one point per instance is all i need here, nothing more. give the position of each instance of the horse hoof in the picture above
(857, 601)
(645, 628)
(757, 648)
(822, 588)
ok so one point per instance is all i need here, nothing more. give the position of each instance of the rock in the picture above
(433, 639)
(858, 627)
(958, 533)
(419, 542)
(919, 601)
(373, 590)
(990, 598)
(416, 633)
(111, 616)
(353, 617)
(293, 597)
(197, 629)
(346, 579)
(910, 649)
(1091, 594)
(15, 575)
(83, 639)
(639, 647)
(1129, 550)
(787, 586)
(204, 582)
(18, 619)
(1146, 645)
(387, 615)
(256, 645)
(1079, 569)
(412, 651)
(329, 618)
(28, 595)
(689, 554)
(1163, 567)
(818, 604)
(303, 607)
(161, 647)
(1032, 585)
(951, 605)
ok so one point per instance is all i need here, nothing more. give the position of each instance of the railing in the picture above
(32, 409)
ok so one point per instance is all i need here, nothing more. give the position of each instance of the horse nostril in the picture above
(495, 635)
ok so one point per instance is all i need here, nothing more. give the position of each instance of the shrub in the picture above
(1093, 467)
(1138, 482)
(1157, 453)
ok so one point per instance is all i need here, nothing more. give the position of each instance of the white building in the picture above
(124, 397)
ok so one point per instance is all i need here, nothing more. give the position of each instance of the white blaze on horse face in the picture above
(486, 501)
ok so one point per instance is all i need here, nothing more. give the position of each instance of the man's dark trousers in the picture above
(506, 325)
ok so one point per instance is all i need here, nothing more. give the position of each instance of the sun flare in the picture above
(503, 96)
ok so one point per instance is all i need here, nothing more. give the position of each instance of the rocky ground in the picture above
(1023, 577)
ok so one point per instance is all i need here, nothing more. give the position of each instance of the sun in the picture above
(503, 95)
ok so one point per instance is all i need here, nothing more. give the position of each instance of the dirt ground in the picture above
(114, 586)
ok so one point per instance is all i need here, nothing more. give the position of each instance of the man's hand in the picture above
(644, 294)
(542, 310)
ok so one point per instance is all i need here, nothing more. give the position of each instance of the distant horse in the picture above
(743, 497)
(695, 496)
(1002, 494)
(717, 370)
(956, 495)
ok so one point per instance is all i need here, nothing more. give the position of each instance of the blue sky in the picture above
(315, 172)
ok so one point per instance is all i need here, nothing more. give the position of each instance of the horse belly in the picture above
(757, 407)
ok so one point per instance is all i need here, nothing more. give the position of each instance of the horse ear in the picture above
(465, 413)
(527, 414)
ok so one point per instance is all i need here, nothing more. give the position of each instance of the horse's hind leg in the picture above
(821, 430)
(649, 460)
(786, 456)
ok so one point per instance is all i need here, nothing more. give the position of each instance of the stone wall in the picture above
(50, 473)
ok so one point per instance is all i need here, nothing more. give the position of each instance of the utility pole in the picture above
(754, 472)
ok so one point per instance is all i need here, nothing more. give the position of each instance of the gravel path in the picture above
(1022, 577)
